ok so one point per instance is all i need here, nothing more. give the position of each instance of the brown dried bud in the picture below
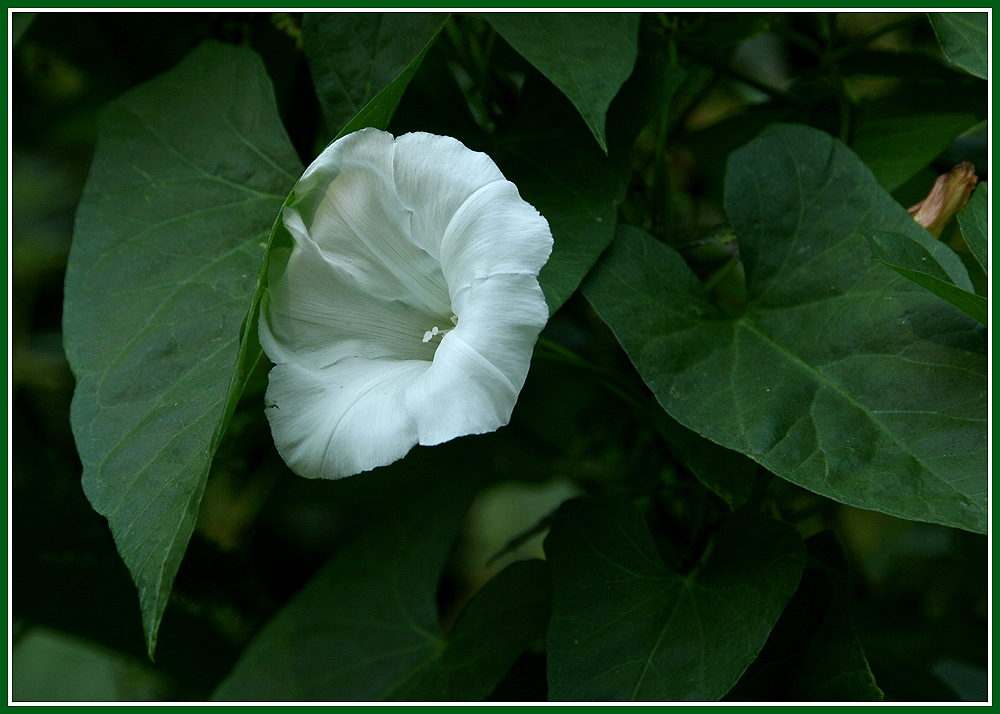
(950, 194)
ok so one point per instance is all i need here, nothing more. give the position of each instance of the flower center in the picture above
(437, 332)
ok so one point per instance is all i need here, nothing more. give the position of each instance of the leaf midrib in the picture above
(791, 356)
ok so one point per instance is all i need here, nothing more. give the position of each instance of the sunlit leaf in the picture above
(914, 262)
(189, 173)
(841, 376)
(964, 37)
(588, 56)
(354, 56)
(625, 627)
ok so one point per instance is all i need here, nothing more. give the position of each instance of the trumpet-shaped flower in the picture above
(408, 307)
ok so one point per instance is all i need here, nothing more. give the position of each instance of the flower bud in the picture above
(950, 194)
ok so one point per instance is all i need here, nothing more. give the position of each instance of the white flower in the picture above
(408, 307)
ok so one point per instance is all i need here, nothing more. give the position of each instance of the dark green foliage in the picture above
(190, 171)
(366, 624)
(975, 226)
(963, 37)
(913, 261)
(626, 627)
(751, 341)
(814, 379)
(353, 57)
(588, 56)
(813, 653)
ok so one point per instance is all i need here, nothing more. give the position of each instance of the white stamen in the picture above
(435, 331)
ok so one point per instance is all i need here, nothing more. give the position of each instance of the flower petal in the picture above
(392, 239)
(347, 200)
(481, 365)
(494, 232)
(340, 421)
(434, 176)
(317, 314)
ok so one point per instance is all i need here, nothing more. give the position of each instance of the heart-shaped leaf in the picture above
(625, 627)
(190, 170)
(841, 376)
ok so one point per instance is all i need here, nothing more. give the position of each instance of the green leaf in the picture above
(914, 262)
(588, 56)
(354, 56)
(728, 474)
(974, 222)
(367, 622)
(712, 145)
(901, 134)
(840, 377)
(548, 155)
(964, 37)
(813, 653)
(509, 614)
(625, 627)
(189, 172)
